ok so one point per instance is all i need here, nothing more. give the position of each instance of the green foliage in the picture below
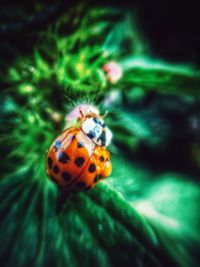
(96, 227)
(146, 213)
(161, 77)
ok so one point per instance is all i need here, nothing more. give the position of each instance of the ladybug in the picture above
(78, 159)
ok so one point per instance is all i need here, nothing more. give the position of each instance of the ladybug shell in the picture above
(75, 163)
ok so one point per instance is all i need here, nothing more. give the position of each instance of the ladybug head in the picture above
(94, 127)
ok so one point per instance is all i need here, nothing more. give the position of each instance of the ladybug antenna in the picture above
(105, 114)
(81, 112)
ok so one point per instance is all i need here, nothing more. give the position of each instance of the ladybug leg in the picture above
(81, 112)
(82, 116)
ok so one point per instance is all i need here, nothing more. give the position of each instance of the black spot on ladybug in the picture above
(79, 161)
(66, 176)
(91, 134)
(101, 158)
(50, 162)
(92, 167)
(62, 157)
(80, 144)
(56, 169)
(80, 184)
(97, 178)
(57, 144)
(73, 137)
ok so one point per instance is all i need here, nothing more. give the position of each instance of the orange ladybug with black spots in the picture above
(78, 159)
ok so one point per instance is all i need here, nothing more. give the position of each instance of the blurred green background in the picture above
(140, 62)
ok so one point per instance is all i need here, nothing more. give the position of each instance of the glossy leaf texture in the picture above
(97, 227)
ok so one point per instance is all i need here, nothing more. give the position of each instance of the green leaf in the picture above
(160, 76)
(97, 227)
(170, 203)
